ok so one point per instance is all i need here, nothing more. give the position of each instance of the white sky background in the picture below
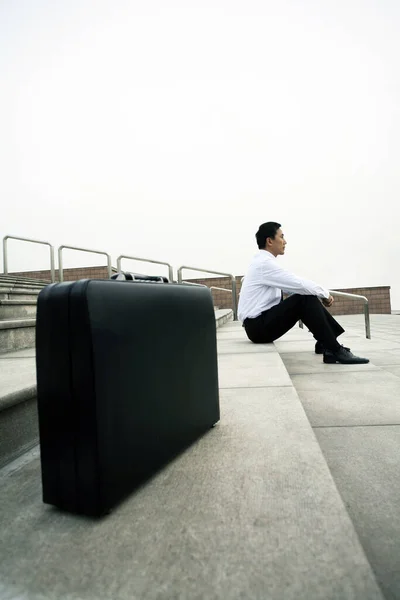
(172, 129)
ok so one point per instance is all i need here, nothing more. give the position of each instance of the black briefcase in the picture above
(127, 379)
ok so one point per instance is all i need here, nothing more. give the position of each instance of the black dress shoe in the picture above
(344, 357)
(320, 349)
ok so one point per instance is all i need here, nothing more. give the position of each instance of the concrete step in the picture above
(16, 334)
(17, 309)
(21, 286)
(222, 316)
(18, 411)
(21, 280)
(355, 414)
(8, 293)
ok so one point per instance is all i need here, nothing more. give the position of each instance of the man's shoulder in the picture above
(263, 255)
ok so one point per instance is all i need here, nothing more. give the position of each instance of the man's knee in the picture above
(309, 299)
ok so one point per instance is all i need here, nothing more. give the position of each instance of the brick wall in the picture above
(378, 297)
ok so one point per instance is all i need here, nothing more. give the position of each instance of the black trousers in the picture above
(276, 321)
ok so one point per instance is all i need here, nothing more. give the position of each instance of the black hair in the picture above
(266, 230)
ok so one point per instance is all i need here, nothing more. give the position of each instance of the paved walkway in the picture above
(355, 414)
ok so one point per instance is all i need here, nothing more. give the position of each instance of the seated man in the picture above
(266, 316)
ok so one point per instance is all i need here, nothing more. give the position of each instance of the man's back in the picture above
(256, 294)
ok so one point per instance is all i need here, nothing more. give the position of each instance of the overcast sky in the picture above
(171, 129)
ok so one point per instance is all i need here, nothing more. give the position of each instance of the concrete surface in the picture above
(249, 511)
(16, 309)
(17, 334)
(355, 413)
(252, 370)
(16, 375)
(18, 411)
(365, 464)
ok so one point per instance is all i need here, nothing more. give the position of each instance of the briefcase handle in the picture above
(125, 275)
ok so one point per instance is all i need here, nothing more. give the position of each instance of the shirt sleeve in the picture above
(275, 276)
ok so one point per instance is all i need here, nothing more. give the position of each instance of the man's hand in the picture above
(327, 301)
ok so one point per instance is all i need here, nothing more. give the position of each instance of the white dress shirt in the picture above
(263, 283)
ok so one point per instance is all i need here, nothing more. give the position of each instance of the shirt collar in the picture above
(266, 254)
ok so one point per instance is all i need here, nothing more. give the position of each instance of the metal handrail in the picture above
(196, 284)
(213, 287)
(13, 237)
(156, 262)
(366, 309)
(233, 282)
(60, 264)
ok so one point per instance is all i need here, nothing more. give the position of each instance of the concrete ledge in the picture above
(11, 302)
(17, 323)
(18, 430)
(24, 295)
(223, 316)
(6, 289)
(17, 397)
(14, 278)
(16, 334)
(26, 288)
(17, 309)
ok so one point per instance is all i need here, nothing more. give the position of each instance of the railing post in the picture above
(234, 299)
(5, 263)
(52, 267)
(109, 266)
(60, 266)
(367, 321)
(366, 308)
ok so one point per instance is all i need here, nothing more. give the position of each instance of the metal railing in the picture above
(195, 284)
(21, 239)
(366, 309)
(233, 283)
(232, 291)
(156, 262)
(60, 264)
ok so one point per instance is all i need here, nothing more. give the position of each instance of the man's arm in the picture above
(275, 276)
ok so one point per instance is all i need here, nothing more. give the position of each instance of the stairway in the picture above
(249, 511)
(18, 418)
(261, 507)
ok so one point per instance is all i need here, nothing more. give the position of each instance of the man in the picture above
(266, 316)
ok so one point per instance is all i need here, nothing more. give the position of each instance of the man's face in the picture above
(277, 245)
